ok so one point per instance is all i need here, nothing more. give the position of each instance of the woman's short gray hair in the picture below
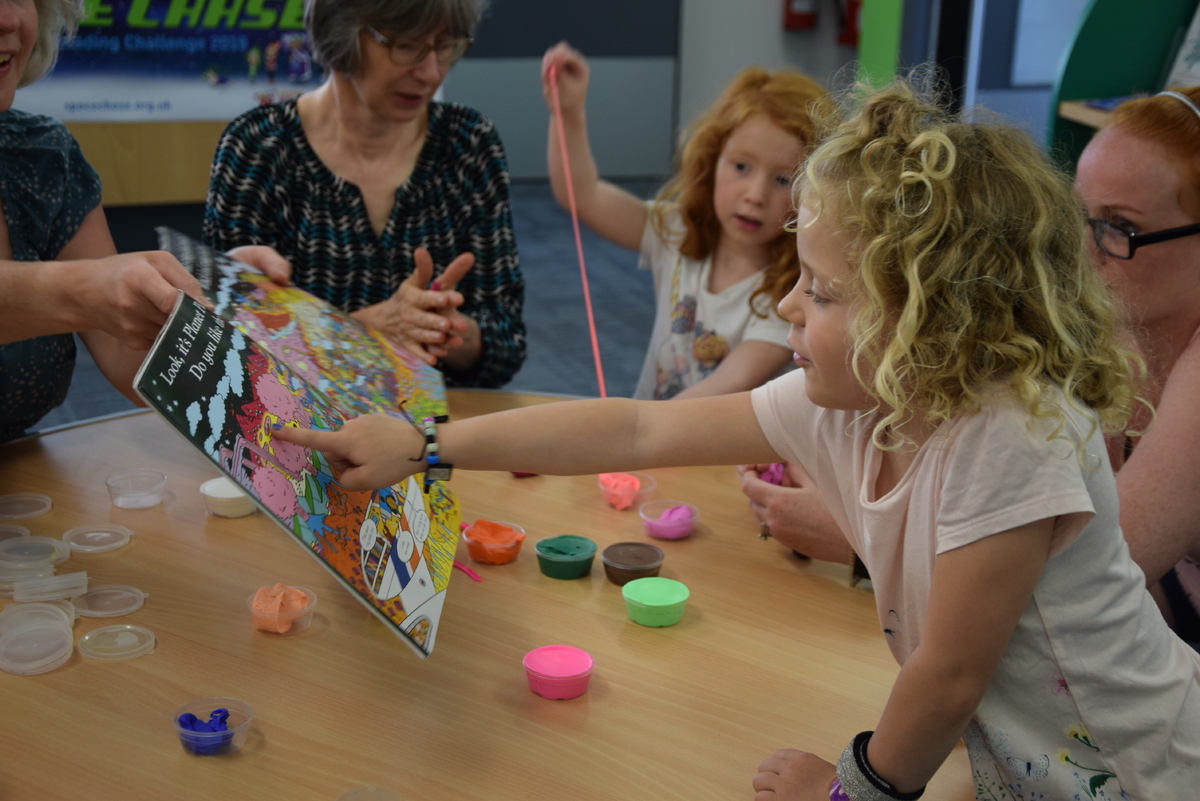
(334, 25)
(56, 18)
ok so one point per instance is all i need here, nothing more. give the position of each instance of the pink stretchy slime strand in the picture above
(566, 163)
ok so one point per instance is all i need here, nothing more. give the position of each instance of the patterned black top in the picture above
(268, 187)
(47, 188)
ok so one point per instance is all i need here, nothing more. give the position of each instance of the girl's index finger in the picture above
(305, 437)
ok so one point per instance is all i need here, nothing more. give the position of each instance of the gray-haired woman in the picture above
(59, 272)
(365, 184)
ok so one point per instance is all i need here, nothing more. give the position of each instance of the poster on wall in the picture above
(159, 60)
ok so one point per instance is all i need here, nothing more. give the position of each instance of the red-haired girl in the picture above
(714, 236)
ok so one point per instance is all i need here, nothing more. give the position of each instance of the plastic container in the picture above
(220, 742)
(21, 505)
(565, 557)
(97, 538)
(26, 552)
(655, 601)
(20, 614)
(558, 672)
(668, 520)
(224, 498)
(613, 486)
(136, 489)
(9, 531)
(626, 561)
(493, 553)
(285, 622)
(11, 575)
(118, 643)
(109, 600)
(66, 606)
(36, 647)
(50, 588)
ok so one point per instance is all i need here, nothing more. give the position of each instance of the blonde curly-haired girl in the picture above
(959, 368)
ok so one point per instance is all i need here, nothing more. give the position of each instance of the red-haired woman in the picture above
(1140, 181)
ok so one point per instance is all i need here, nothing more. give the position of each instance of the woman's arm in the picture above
(610, 211)
(571, 438)
(89, 288)
(750, 364)
(1159, 485)
(117, 303)
(119, 359)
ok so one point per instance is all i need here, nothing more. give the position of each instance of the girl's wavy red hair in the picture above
(794, 102)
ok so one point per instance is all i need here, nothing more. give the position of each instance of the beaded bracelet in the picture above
(836, 793)
(858, 781)
(435, 470)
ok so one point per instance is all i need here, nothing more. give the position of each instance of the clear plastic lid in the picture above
(50, 588)
(35, 647)
(97, 537)
(24, 504)
(117, 643)
(109, 600)
(65, 605)
(20, 614)
(32, 551)
(11, 575)
(10, 530)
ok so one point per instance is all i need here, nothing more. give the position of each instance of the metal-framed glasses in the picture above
(1122, 244)
(405, 53)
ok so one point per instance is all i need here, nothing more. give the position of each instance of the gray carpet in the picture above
(560, 351)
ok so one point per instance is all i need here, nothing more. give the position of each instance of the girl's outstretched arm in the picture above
(609, 210)
(977, 597)
(570, 438)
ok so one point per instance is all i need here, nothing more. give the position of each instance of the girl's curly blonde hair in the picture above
(794, 102)
(970, 268)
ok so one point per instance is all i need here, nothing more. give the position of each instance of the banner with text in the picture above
(156, 60)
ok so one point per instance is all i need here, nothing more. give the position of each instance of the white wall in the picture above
(720, 37)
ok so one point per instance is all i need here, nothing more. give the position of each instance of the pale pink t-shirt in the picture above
(1095, 695)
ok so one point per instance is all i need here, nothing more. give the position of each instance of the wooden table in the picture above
(772, 652)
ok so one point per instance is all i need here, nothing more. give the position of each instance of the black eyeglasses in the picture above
(1121, 244)
(407, 53)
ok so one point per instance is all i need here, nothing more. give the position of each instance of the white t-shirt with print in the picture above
(1094, 696)
(695, 329)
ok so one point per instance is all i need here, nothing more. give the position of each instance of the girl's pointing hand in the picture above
(370, 452)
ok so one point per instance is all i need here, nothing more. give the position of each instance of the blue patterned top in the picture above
(269, 187)
(47, 188)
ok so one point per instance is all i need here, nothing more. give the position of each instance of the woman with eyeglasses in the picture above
(1140, 181)
(387, 204)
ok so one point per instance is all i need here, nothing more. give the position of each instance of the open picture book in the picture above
(270, 354)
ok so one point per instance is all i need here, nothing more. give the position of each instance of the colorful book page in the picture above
(359, 368)
(392, 548)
